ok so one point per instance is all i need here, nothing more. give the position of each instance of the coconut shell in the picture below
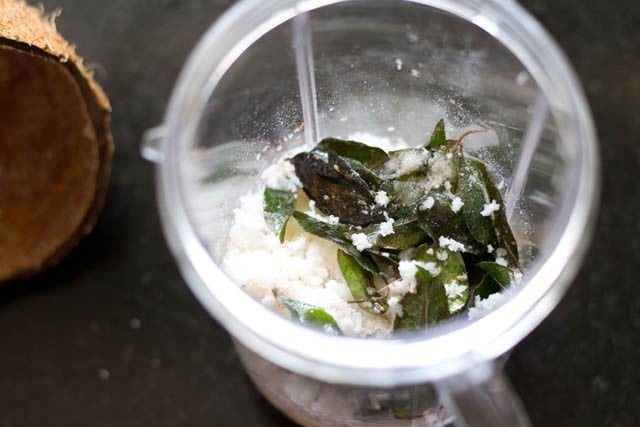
(55, 143)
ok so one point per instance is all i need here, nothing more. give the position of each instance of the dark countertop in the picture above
(113, 337)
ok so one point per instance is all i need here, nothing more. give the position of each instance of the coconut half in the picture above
(55, 143)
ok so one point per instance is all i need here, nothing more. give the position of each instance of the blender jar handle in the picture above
(152, 142)
(483, 397)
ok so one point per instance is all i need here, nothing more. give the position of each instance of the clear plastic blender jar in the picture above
(269, 66)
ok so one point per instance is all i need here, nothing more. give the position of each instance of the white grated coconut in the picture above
(451, 244)
(456, 204)
(490, 208)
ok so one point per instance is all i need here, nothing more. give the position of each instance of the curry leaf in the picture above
(439, 220)
(474, 272)
(453, 152)
(364, 259)
(387, 263)
(414, 307)
(501, 274)
(343, 179)
(438, 136)
(502, 228)
(278, 205)
(425, 253)
(337, 233)
(365, 173)
(360, 283)
(487, 287)
(404, 197)
(453, 277)
(437, 305)
(406, 233)
(473, 193)
(308, 314)
(371, 157)
(336, 187)
(449, 270)
(426, 307)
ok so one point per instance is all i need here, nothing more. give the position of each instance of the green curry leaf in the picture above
(336, 187)
(429, 304)
(278, 205)
(437, 307)
(438, 136)
(360, 283)
(406, 234)
(453, 274)
(404, 197)
(337, 233)
(371, 157)
(345, 178)
(440, 220)
(501, 274)
(308, 314)
(414, 306)
(487, 287)
(473, 193)
(365, 173)
(502, 228)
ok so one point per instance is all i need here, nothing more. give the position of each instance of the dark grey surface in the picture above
(117, 307)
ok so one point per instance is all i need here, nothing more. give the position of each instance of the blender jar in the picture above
(272, 74)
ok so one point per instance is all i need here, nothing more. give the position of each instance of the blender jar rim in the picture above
(446, 350)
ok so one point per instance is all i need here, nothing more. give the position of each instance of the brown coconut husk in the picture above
(55, 143)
